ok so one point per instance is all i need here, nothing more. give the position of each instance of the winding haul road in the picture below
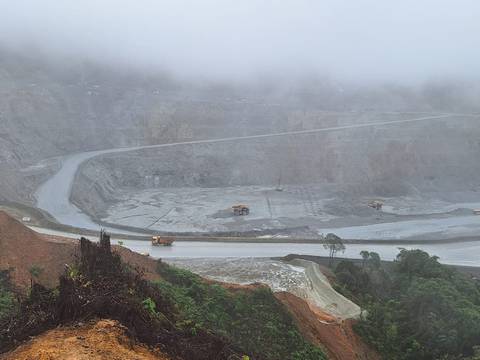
(54, 197)
(461, 253)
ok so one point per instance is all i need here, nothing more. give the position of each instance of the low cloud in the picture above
(363, 40)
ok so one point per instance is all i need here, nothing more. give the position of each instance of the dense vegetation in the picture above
(416, 308)
(253, 320)
(7, 299)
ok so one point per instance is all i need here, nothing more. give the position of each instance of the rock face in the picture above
(387, 157)
(388, 161)
(52, 109)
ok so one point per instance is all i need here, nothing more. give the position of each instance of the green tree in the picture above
(333, 244)
(365, 255)
(374, 260)
(417, 309)
(419, 263)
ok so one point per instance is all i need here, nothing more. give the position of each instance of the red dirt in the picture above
(142, 263)
(98, 340)
(335, 336)
(21, 248)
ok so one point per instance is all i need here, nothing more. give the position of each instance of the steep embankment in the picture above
(22, 248)
(97, 340)
(328, 321)
(334, 335)
(323, 293)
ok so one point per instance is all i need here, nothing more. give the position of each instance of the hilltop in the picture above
(97, 340)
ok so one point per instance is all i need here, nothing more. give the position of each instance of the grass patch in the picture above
(7, 298)
(253, 320)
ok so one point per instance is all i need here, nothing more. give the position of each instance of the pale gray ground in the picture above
(208, 209)
(302, 278)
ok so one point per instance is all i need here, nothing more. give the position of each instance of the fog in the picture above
(361, 40)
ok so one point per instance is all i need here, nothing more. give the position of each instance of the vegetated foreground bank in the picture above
(179, 314)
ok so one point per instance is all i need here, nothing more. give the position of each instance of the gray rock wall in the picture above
(387, 161)
(49, 109)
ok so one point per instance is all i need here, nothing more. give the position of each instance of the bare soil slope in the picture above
(334, 335)
(103, 339)
(21, 248)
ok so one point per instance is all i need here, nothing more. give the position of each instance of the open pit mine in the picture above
(242, 186)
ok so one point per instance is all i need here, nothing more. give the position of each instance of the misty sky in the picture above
(356, 40)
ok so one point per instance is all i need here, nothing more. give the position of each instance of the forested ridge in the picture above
(415, 308)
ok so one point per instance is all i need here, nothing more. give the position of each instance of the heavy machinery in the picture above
(240, 210)
(376, 204)
(162, 241)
